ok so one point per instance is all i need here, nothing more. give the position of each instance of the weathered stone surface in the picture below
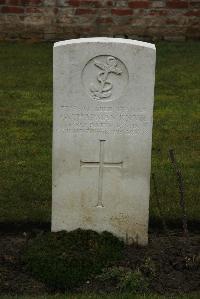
(103, 105)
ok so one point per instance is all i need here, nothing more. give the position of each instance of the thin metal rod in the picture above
(181, 190)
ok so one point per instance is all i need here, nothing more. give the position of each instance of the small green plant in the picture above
(126, 279)
(64, 260)
(114, 273)
(148, 267)
(134, 281)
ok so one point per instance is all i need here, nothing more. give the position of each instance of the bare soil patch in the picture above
(173, 265)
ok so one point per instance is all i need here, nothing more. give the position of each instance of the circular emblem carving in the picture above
(105, 78)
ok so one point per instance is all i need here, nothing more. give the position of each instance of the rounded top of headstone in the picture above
(105, 40)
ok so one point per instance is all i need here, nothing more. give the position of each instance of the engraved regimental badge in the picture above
(105, 78)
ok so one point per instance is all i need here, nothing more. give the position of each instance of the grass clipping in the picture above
(64, 260)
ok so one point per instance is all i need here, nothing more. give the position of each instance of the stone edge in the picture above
(105, 40)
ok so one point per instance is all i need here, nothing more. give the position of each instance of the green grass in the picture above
(114, 296)
(26, 125)
(176, 116)
(26, 128)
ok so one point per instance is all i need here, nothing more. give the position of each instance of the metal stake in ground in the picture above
(181, 190)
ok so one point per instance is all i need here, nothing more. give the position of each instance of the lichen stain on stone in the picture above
(120, 222)
(86, 213)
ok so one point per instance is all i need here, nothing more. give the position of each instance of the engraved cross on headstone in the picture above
(101, 164)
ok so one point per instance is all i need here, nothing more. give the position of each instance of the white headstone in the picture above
(102, 134)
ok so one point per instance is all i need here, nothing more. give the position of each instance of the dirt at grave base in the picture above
(177, 264)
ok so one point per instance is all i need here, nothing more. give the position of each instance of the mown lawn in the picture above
(26, 130)
(114, 296)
